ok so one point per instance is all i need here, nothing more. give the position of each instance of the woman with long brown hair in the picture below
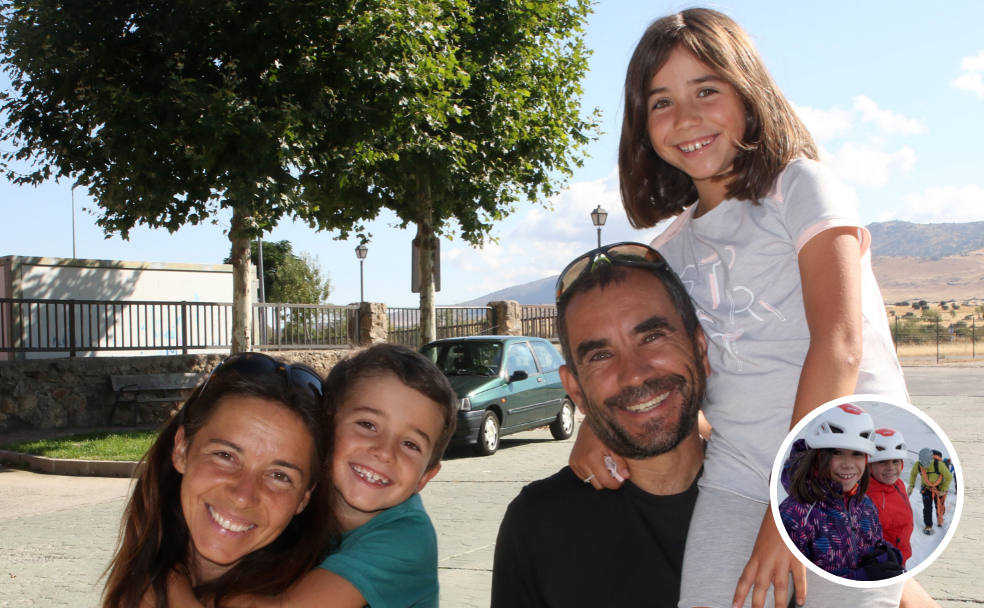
(232, 493)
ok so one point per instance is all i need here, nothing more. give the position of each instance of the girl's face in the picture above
(246, 473)
(695, 120)
(847, 467)
(886, 471)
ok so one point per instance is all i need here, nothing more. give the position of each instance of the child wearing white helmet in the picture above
(887, 490)
(827, 513)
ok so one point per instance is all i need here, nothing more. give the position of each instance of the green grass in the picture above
(90, 446)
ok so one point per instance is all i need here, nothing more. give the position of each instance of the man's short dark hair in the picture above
(602, 275)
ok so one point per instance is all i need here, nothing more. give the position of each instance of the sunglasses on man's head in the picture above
(617, 254)
(251, 364)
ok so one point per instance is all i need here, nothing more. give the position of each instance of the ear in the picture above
(179, 453)
(304, 501)
(701, 341)
(428, 475)
(572, 386)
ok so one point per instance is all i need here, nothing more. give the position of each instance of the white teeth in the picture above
(370, 476)
(695, 146)
(228, 524)
(648, 405)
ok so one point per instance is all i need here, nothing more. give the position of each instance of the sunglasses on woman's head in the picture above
(617, 254)
(250, 364)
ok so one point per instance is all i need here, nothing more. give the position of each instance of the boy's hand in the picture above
(770, 564)
(588, 461)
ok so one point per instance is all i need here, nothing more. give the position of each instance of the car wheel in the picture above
(563, 426)
(488, 435)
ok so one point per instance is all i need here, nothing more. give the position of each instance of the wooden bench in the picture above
(140, 389)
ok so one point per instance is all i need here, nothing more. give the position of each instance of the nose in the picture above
(633, 371)
(686, 115)
(383, 450)
(244, 490)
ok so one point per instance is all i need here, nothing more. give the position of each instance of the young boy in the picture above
(887, 490)
(393, 414)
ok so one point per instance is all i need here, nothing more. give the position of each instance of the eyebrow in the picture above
(699, 80)
(281, 463)
(379, 412)
(653, 322)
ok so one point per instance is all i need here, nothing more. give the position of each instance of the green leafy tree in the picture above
(448, 112)
(500, 122)
(289, 277)
(168, 112)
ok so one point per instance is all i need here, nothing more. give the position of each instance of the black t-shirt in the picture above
(564, 544)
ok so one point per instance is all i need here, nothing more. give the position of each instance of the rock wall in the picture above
(62, 393)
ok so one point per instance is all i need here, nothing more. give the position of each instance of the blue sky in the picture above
(892, 91)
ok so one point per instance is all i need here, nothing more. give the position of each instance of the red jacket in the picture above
(894, 513)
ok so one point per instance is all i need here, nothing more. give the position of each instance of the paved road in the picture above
(58, 533)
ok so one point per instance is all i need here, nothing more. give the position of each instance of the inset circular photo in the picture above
(866, 490)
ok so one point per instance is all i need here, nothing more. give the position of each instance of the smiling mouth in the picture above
(846, 476)
(371, 476)
(646, 406)
(228, 524)
(696, 145)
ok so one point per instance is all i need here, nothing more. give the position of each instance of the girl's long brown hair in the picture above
(154, 537)
(652, 189)
(810, 480)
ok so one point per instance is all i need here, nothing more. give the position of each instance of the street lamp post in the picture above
(360, 252)
(598, 217)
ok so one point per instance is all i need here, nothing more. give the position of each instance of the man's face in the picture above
(640, 377)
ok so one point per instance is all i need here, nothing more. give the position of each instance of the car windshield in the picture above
(466, 358)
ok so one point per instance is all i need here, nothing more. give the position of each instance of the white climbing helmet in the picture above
(846, 426)
(889, 445)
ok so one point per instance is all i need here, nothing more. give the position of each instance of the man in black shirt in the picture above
(636, 366)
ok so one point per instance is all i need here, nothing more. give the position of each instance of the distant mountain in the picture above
(931, 241)
(925, 261)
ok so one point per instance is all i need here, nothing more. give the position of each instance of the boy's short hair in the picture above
(412, 369)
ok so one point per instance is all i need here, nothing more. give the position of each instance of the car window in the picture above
(550, 359)
(466, 358)
(520, 358)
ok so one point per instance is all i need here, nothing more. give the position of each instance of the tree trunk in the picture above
(242, 305)
(425, 236)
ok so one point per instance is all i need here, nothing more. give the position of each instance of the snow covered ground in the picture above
(917, 435)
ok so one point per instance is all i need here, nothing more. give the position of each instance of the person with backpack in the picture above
(935, 479)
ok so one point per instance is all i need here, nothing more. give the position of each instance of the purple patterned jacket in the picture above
(833, 533)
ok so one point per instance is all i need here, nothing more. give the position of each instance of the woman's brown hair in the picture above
(810, 480)
(652, 189)
(154, 537)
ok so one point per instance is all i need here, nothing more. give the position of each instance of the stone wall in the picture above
(63, 393)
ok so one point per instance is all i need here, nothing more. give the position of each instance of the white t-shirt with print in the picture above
(739, 264)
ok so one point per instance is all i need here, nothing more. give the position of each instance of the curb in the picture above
(61, 466)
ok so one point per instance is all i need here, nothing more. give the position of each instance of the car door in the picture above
(523, 397)
(553, 393)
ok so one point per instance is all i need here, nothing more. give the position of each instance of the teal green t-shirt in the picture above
(392, 558)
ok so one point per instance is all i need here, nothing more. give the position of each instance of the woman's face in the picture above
(886, 471)
(847, 467)
(246, 473)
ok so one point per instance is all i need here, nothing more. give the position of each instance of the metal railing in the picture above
(540, 321)
(153, 327)
(451, 321)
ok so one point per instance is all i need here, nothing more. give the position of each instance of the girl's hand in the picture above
(588, 461)
(770, 564)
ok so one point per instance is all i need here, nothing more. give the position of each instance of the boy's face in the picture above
(384, 437)
(886, 471)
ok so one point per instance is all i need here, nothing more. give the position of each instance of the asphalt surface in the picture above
(57, 533)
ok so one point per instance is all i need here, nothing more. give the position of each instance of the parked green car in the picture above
(506, 384)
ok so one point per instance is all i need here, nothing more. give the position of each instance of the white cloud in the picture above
(887, 121)
(825, 124)
(867, 165)
(946, 203)
(972, 75)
